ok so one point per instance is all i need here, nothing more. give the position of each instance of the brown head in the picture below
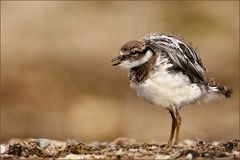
(133, 54)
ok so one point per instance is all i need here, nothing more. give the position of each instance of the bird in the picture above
(166, 71)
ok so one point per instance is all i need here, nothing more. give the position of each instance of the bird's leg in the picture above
(174, 123)
(178, 125)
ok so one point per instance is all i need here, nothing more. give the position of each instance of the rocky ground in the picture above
(121, 148)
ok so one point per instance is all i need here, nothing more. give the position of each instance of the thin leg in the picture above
(174, 123)
(179, 121)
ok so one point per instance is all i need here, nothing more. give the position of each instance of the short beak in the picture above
(117, 60)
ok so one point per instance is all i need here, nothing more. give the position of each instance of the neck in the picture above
(140, 73)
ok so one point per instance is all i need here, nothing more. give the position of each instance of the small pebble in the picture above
(215, 143)
(43, 143)
(189, 156)
(119, 152)
(153, 147)
(133, 150)
(3, 148)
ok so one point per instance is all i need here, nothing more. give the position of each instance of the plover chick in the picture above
(166, 71)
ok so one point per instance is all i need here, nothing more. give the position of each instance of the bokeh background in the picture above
(57, 80)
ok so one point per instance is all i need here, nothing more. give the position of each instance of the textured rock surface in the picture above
(121, 148)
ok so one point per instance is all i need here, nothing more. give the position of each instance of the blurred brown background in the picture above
(57, 80)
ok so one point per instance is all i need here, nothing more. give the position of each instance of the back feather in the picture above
(182, 55)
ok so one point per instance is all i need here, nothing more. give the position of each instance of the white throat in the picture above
(130, 64)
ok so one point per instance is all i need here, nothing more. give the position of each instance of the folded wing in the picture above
(182, 55)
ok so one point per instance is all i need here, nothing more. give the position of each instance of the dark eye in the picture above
(135, 53)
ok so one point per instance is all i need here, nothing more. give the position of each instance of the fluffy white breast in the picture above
(167, 89)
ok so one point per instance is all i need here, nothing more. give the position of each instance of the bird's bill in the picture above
(117, 60)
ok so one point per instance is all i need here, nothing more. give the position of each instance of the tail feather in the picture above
(219, 89)
(226, 92)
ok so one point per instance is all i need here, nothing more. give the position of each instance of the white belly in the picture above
(166, 89)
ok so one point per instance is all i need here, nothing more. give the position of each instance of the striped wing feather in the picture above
(182, 55)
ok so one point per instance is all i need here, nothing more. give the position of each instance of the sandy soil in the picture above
(120, 148)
